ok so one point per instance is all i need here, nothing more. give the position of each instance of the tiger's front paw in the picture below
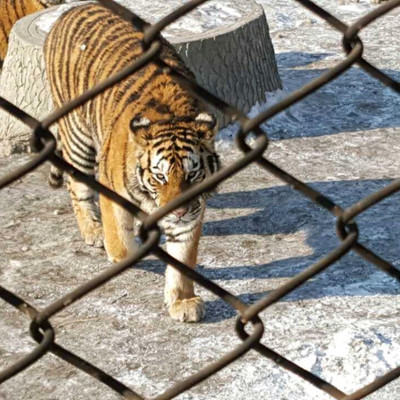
(93, 234)
(187, 310)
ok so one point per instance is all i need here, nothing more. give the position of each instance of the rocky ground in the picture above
(343, 325)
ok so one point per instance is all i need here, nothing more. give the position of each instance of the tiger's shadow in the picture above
(281, 210)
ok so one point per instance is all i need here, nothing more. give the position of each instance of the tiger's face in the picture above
(173, 156)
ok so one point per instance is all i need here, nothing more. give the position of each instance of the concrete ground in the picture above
(344, 325)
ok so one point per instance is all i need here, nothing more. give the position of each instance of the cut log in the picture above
(229, 50)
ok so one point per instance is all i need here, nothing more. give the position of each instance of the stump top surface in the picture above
(208, 19)
(211, 19)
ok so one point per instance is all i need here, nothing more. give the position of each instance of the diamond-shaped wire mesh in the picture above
(41, 329)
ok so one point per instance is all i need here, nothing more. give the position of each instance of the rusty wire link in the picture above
(45, 143)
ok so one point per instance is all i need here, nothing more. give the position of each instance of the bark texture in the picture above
(237, 65)
(23, 82)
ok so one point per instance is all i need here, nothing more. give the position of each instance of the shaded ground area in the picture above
(343, 325)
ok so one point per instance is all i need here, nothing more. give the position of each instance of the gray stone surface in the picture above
(233, 57)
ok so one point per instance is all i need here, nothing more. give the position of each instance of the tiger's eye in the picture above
(160, 177)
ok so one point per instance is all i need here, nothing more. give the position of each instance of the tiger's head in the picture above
(171, 156)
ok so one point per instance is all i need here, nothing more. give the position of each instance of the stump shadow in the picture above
(354, 101)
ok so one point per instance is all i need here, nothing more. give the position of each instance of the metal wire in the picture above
(40, 327)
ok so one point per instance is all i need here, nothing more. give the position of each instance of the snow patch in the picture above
(357, 356)
(226, 136)
(45, 22)
(209, 16)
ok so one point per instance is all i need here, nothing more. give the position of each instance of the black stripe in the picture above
(135, 96)
(188, 149)
(89, 153)
(211, 163)
(87, 163)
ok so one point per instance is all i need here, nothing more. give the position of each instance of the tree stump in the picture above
(227, 46)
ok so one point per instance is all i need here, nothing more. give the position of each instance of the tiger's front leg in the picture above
(182, 303)
(118, 226)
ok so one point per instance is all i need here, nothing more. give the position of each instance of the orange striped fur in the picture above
(149, 138)
(11, 11)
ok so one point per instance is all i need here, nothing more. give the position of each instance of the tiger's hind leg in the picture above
(86, 213)
(76, 149)
(56, 179)
(182, 303)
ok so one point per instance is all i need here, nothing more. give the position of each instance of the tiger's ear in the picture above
(207, 118)
(209, 122)
(138, 127)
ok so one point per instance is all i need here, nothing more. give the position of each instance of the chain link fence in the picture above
(45, 144)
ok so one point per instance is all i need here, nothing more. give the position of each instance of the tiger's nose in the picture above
(180, 212)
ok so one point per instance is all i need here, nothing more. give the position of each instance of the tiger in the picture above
(11, 11)
(148, 138)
